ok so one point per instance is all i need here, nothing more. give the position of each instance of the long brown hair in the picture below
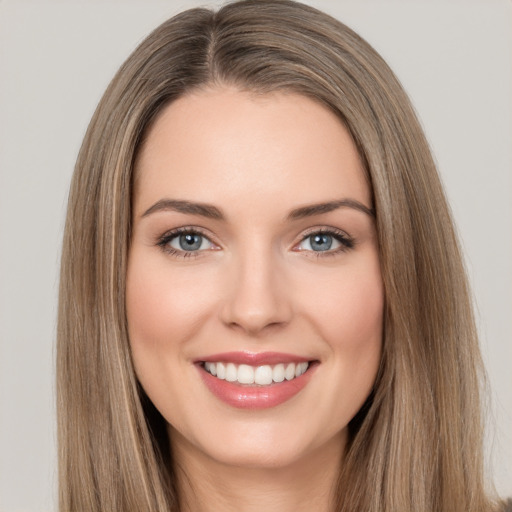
(417, 442)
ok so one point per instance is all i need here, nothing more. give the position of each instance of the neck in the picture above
(207, 485)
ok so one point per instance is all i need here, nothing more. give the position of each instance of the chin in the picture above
(261, 445)
(252, 456)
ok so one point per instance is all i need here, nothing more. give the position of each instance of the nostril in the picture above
(255, 327)
(257, 299)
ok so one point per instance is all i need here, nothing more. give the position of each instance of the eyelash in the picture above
(346, 242)
(166, 238)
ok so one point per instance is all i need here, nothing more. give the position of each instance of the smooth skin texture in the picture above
(255, 280)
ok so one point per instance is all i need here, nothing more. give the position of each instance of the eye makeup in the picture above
(325, 241)
(185, 242)
(192, 242)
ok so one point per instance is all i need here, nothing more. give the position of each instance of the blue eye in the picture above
(320, 242)
(325, 242)
(184, 242)
(189, 242)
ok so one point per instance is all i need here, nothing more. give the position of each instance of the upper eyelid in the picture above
(187, 229)
(327, 230)
(163, 242)
(171, 233)
(347, 241)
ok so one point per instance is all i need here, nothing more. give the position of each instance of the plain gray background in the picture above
(56, 58)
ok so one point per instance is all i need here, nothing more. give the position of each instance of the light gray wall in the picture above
(454, 57)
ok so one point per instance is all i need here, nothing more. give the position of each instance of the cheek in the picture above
(348, 306)
(348, 316)
(164, 308)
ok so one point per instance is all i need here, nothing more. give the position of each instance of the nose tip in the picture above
(253, 321)
(258, 301)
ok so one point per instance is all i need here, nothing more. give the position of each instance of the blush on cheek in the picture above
(164, 303)
(145, 308)
(351, 307)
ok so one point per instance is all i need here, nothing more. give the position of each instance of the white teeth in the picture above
(221, 371)
(261, 375)
(278, 373)
(231, 372)
(211, 367)
(300, 369)
(289, 373)
(245, 374)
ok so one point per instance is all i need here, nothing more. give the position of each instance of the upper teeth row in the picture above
(261, 375)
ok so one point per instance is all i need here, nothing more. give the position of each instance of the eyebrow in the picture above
(202, 209)
(212, 212)
(317, 209)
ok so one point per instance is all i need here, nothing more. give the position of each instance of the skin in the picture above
(255, 285)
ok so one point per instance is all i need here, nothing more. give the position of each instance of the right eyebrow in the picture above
(177, 205)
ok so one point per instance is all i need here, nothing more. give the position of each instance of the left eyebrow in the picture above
(319, 208)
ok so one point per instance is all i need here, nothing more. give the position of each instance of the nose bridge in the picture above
(257, 296)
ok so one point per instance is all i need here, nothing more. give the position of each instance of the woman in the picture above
(262, 297)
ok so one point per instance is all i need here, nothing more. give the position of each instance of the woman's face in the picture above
(254, 292)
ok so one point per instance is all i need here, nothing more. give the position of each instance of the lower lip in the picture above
(255, 397)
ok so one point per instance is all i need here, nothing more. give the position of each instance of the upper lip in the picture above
(253, 358)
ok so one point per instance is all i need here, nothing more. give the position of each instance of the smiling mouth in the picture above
(263, 375)
(255, 381)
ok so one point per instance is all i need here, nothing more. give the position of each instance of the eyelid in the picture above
(347, 242)
(163, 241)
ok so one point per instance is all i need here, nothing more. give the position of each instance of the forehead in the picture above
(218, 144)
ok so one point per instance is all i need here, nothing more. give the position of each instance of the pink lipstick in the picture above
(255, 380)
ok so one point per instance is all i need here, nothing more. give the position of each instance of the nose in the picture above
(257, 297)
